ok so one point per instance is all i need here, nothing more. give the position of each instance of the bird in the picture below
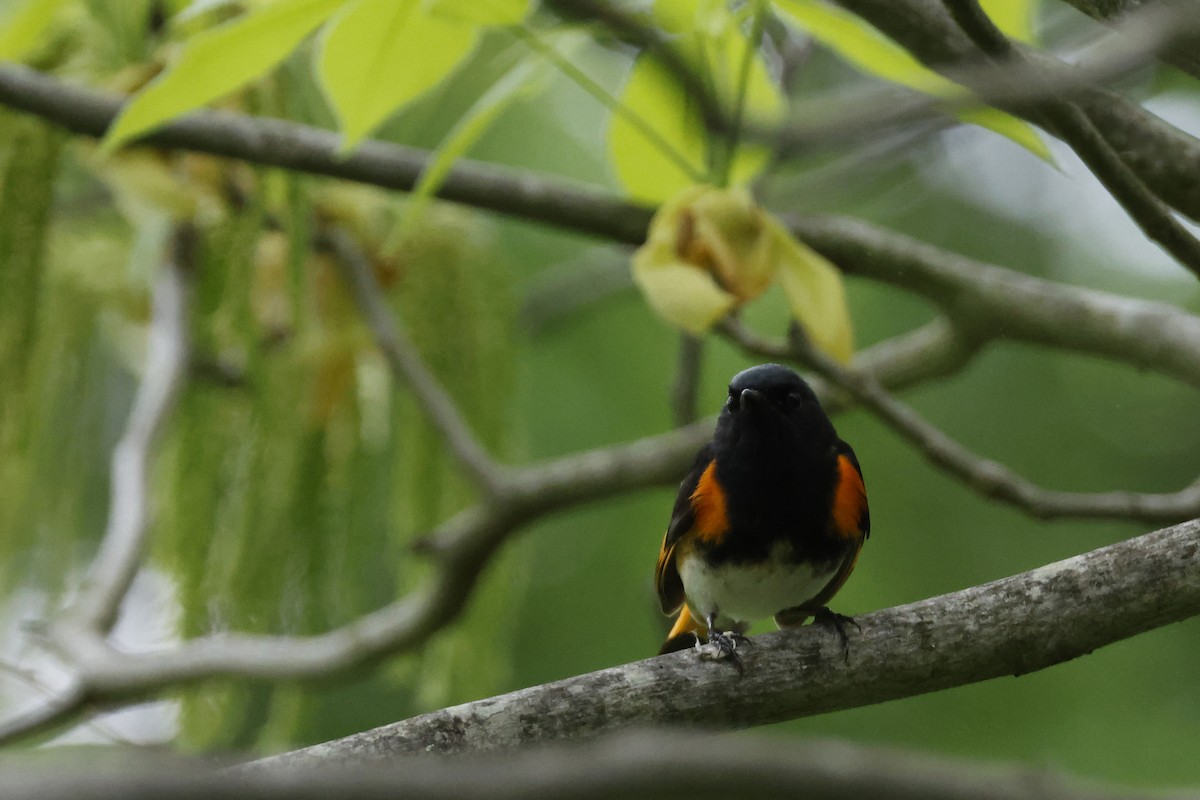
(768, 522)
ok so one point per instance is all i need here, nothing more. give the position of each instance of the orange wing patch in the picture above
(709, 504)
(849, 500)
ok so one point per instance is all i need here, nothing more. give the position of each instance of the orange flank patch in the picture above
(708, 503)
(849, 500)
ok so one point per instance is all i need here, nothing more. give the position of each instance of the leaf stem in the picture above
(581, 79)
(724, 167)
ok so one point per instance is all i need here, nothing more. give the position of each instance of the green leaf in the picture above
(218, 61)
(482, 12)
(814, 291)
(380, 55)
(865, 48)
(21, 30)
(658, 143)
(706, 252)
(1009, 127)
(522, 80)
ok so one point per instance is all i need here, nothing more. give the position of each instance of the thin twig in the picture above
(121, 550)
(408, 365)
(687, 379)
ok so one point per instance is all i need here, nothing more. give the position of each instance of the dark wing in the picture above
(683, 519)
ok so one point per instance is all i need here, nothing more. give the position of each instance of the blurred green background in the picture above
(295, 473)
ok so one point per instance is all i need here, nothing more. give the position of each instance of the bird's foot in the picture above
(831, 619)
(723, 645)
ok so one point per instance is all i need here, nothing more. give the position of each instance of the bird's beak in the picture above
(752, 398)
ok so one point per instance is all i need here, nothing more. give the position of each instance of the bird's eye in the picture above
(792, 400)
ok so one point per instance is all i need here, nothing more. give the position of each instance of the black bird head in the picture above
(770, 408)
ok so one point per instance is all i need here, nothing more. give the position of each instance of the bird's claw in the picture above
(723, 645)
(831, 619)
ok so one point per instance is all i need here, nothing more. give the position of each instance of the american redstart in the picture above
(768, 522)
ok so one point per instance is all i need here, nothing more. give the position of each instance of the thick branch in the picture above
(1008, 627)
(655, 765)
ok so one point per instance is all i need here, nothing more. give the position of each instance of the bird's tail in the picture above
(684, 633)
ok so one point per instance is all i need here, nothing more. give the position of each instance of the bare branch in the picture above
(1182, 55)
(1142, 205)
(651, 764)
(45, 715)
(985, 301)
(924, 28)
(1011, 626)
(869, 112)
(407, 364)
(687, 379)
(307, 149)
(121, 550)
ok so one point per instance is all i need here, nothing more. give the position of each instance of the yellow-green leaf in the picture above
(708, 250)
(815, 293)
(21, 29)
(682, 295)
(1009, 127)
(482, 12)
(520, 81)
(218, 61)
(381, 54)
(658, 145)
(1014, 17)
(865, 48)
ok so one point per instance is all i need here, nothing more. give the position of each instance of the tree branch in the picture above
(1074, 127)
(984, 301)
(869, 112)
(652, 764)
(307, 149)
(924, 28)
(1181, 55)
(1011, 626)
(406, 363)
(121, 549)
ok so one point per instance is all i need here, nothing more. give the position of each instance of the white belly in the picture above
(749, 592)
